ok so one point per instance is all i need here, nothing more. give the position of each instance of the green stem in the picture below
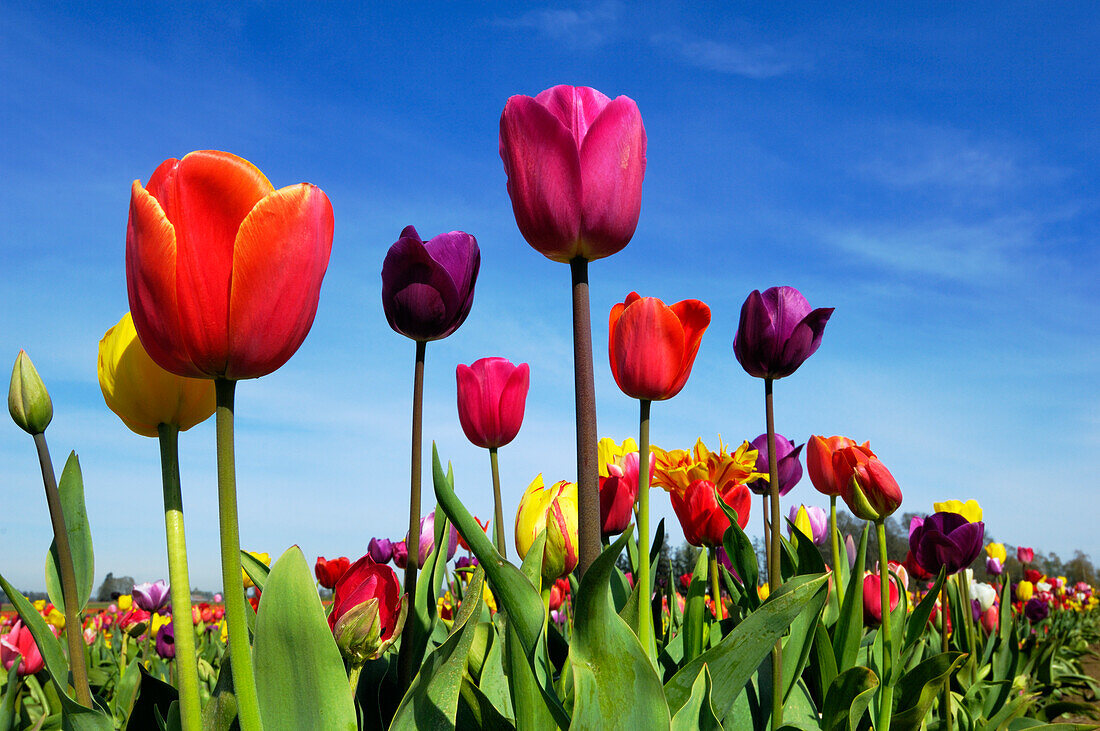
(945, 701)
(187, 668)
(968, 611)
(886, 696)
(498, 511)
(353, 677)
(584, 382)
(405, 668)
(645, 610)
(73, 625)
(715, 591)
(767, 527)
(839, 584)
(774, 577)
(240, 651)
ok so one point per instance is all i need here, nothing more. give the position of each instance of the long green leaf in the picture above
(300, 677)
(848, 630)
(847, 699)
(799, 642)
(917, 689)
(616, 685)
(71, 490)
(741, 554)
(48, 645)
(7, 707)
(917, 622)
(432, 699)
(695, 607)
(256, 569)
(736, 658)
(698, 713)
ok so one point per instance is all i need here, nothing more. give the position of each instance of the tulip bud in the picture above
(867, 487)
(555, 511)
(359, 632)
(367, 614)
(28, 401)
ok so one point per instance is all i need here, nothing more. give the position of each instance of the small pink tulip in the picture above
(990, 619)
(492, 394)
(19, 642)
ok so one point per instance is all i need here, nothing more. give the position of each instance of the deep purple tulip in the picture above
(778, 331)
(945, 540)
(993, 566)
(400, 554)
(1036, 610)
(151, 596)
(428, 288)
(976, 610)
(466, 562)
(380, 550)
(166, 641)
(790, 469)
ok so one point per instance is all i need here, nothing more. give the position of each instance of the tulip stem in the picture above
(187, 670)
(588, 491)
(774, 576)
(886, 696)
(767, 527)
(715, 591)
(412, 542)
(73, 634)
(240, 651)
(945, 701)
(645, 610)
(838, 573)
(498, 511)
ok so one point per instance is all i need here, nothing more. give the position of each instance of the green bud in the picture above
(358, 632)
(28, 400)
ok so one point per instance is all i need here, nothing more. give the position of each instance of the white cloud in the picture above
(587, 28)
(749, 59)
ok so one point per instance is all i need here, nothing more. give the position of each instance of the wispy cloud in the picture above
(750, 59)
(586, 28)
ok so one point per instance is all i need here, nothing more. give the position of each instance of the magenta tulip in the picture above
(575, 161)
(492, 393)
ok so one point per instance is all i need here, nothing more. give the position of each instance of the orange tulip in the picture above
(819, 461)
(653, 345)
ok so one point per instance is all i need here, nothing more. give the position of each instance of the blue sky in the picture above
(927, 170)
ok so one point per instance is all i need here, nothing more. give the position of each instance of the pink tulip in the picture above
(19, 642)
(1025, 555)
(872, 599)
(492, 393)
(575, 161)
(990, 619)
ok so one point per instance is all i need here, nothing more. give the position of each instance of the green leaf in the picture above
(71, 490)
(736, 658)
(695, 607)
(75, 717)
(616, 684)
(808, 557)
(300, 678)
(492, 682)
(796, 647)
(847, 699)
(57, 665)
(255, 568)
(126, 691)
(741, 554)
(848, 630)
(917, 622)
(917, 689)
(220, 711)
(698, 713)
(421, 621)
(432, 699)
(7, 707)
(824, 658)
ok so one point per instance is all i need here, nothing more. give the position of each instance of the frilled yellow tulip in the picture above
(969, 510)
(555, 510)
(677, 469)
(143, 394)
(264, 558)
(997, 551)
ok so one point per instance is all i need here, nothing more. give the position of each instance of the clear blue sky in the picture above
(928, 170)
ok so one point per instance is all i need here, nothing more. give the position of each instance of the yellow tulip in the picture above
(143, 394)
(264, 558)
(56, 618)
(608, 452)
(997, 551)
(159, 620)
(763, 591)
(40, 605)
(969, 510)
(1024, 591)
(802, 522)
(555, 510)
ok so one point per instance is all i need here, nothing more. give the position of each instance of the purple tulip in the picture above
(850, 549)
(466, 562)
(790, 469)
(1036, 610)
(778, 331)
(380, 550)
(151, 596)
(400, 554)
(976, 610)
(166, 641)
(428, 288)
(945, 540)
(993, 566)
(724, 560)
(427, 538)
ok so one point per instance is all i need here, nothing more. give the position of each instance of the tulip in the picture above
(484, 528)
(368, 611)
(1033, 576)
(491, 397)
(990, 619)
(970, 510)
(264, 558)
(428, 287)
(151, 596)
(993, 566)
(575, 160)
(676, 469)
(554, 510)
(125, 602)
(1025, 555)
(619, 484)
(778, 331)
(996, 550)
(812, 521)
(466, 563)
(28, 400)
(400, 554)
(1036, 610)
(1024, 590)
(702, 519)
(558, 592)
(872, 599)
(328, 572)
(380, 550)
(819, 461)
(945, 540)
(653, 346)
(984, 594)
(790, 469)
(166, 642)
(141, 393)
(867, 487)
(222, 270)
(427, 538)
(19, 644)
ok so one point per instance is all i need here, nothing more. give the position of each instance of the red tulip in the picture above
(329, 572)
(368, 610)
(484, 529)
(819, 462)
(990, 619)
(222, 270)
(867, 487)
(575, 160)
(491, 396)
(872, 599)
(702, 519)
(653, 345)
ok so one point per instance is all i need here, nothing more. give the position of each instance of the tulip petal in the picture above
(281, 255)
(151, 283)
(457, 252)
(805, 339)
(544, 177)
(753, 332)
(647, 349)
(470, 414)
(576, 107)
(513, 400)
(418, 313)
(613, 160)
(694, 317)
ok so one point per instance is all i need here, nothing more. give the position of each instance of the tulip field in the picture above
(551, 615)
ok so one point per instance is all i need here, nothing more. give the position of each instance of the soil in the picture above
(1090, 665)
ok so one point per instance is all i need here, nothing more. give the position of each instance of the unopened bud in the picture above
(28, 400)
(359, 632)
